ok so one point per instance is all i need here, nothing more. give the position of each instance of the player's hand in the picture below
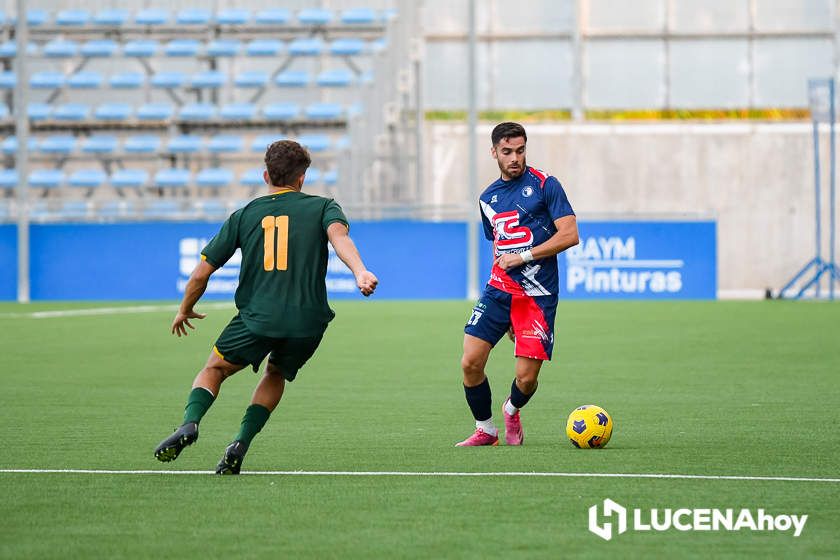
(510, 260)
(367, 282)
(182, 321)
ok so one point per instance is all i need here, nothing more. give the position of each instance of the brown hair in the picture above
(286, 160)
(507, 130)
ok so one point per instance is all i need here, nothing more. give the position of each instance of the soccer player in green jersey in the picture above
(281, 297)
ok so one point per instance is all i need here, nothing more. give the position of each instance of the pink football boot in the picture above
(480, 437)
(513, 427)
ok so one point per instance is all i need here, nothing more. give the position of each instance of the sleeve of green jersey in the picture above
(224, 244)
(333, 213)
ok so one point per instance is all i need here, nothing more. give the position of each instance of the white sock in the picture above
(487, 426)
(510, 409)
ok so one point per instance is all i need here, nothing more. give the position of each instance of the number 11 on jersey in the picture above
(270, 224)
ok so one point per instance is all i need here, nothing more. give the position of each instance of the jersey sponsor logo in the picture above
(509, 234)
(527, 191)
(494, 199)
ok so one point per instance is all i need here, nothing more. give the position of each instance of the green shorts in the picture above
(238, 345)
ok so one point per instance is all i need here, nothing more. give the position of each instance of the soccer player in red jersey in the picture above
(526, 214)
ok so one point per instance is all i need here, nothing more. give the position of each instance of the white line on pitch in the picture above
(106, 311)
(439, 474)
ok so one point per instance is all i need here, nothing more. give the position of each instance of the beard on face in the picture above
(513, 173)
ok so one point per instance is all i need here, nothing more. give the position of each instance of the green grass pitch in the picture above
(705, 388)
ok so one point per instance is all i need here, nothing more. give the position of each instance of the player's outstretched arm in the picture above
(348, 253)
(192, 293)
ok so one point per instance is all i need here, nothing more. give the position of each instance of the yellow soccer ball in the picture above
(589, 427)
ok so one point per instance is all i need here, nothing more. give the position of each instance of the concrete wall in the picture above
(755, 179)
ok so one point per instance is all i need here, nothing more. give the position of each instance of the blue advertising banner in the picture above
(8, 262)
(414, 260)
(154, 261)
(636, 260)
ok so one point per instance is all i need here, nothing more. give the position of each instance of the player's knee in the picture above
(527, 383)
(471, 367)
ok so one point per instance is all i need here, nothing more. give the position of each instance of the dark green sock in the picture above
(198, 402)
(255, 418)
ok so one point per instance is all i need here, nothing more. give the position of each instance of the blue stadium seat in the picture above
(39, 111)
(233, 16)
(168, 80)
(8, 178)
(113, 112)
(253, 177)
(225, 143)
(340, 77)
(100, 144)
(263, 141)
(342, 142)
(214, 177)
(330, 177)
(324, 111)
(212, 207)
(315, 142)
(46, 79)
(292, 78)
(85, 80)
(193, 16)
(314, 16)
(129, 178)
(141, 48)
(184, 144)
(347, 47)
(151, 16)
(249, 79)
(90, 178)
(4, 111)
(280, 111)
(127, 80)
(306, 47)
(8, 49)
(8, 80)
(10, 145)
(313, 175)
(155, 112)
(276, 16)
(111, 208)
(210, 79)
(72, 17)
(58, 144)
(162, 208)
(238, 111)
(172, 178)
(99, 48)
(264, 47)
(197, 112)
(378, 45)
(61, 48)
(358, 16)
(46, 178)
(182, 47)
(142, 144)
(112, 18)
(36, 18)
(224, 47)
(73, 209)
(71, 112)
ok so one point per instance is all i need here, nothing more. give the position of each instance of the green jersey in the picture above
(282, 290)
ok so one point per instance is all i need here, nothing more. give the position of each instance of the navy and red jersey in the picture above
(517, 215)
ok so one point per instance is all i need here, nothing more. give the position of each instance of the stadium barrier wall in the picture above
(414, 260)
